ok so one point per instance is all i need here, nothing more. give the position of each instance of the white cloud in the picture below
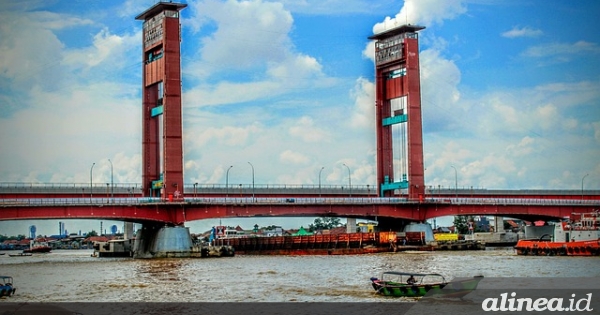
(306, 130)
(107, 48)
(364, 104)
(423, 12)
(291, 157)
(522, 32)
(524, 147)
(596, 131)
(555, 53)
(264, 53)
(248, 33)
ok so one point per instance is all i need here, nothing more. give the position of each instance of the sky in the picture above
(509, 88)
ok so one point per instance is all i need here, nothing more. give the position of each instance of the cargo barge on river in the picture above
(328, 244)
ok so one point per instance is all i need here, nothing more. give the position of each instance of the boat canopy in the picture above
(399, 273)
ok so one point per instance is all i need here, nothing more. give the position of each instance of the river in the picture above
(73, 275)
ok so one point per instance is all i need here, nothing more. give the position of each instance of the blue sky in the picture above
(509, 91)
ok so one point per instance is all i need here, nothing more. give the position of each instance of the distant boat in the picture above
(38, 246)
(19, 254)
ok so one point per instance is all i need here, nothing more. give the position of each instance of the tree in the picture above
(460, 224)
(91, 233)
(324, 224)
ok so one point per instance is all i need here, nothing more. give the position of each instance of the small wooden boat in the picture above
(6, 286)
(403, 284)
(19, 254)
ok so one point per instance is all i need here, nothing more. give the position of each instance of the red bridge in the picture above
(400, 193)
(125, 202)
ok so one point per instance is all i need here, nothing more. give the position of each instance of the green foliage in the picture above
(324, 224)
(461, 224)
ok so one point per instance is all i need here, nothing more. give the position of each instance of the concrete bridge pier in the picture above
(160, 241)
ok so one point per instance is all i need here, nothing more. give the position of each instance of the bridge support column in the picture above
(128, 230)
(350, 225)
(156, 241)
(421, 227)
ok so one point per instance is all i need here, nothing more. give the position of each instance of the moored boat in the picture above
(19, 254)
(38, 246)
(403, 284)
(580, 237)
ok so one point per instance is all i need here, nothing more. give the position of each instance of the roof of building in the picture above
(159, 7)
(407, 28)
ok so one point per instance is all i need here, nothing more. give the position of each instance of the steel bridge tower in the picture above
(398, 113)
(162, 144)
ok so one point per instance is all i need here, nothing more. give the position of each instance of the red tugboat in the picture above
(579, 237)
(38, 246)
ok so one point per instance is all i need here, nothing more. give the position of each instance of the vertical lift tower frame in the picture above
(398, 112)
(162, 144)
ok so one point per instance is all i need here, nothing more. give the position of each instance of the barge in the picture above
(327, 244)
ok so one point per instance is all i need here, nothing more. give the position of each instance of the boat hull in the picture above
(454, 289)
(549, 248)
(39, 249)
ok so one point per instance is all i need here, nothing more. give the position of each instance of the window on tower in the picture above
(154, 54)
(160, 93)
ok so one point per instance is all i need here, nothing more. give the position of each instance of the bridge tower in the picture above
(162, 144)
(398, 112)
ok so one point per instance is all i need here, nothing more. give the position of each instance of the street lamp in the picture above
(252, 180)
(91, 181)
(584, 176)
(227, 181)
(349, 180)
(112, 195)
(320, 180)
(455, 181)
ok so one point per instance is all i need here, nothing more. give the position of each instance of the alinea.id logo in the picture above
(514, 304)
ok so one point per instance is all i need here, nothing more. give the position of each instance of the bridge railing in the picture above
(289, 201)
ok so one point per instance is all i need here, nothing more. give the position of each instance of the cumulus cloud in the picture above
(364, 105)
(262, 56)
(524, 147)
(423, 12)
(556, 53)
(234, 44)
(106, 47)
(306, 130)
(522, 32)
(291, 157)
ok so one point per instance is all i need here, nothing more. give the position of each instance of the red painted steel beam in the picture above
(178, 213)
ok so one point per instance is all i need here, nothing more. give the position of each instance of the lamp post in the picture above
(112, 194)
(349, 180)
(252, 180)
(455, 181)
(91, 181)
(227, 181)
(320, 180)
(584, 176)
(195, 184)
